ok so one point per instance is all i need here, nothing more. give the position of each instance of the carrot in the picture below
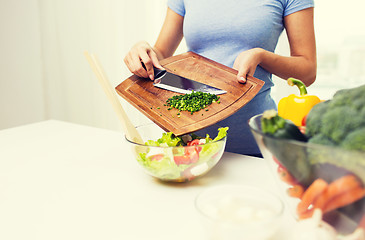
(337, 187)
(307, 214)
(345, 198)
(310, 195)
(296, 191)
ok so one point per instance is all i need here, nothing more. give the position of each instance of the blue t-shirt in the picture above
(221, 30)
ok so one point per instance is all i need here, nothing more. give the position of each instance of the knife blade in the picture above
(176, 83)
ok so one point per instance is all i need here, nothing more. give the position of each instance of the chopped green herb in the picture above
(192, 102)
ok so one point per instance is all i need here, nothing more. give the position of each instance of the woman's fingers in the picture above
(243, 72)
(242, 76)
(246, 63)
(145, 58)
(137, 67)
(132, 65)
(242, 69)
(155, 60)
(141, 59)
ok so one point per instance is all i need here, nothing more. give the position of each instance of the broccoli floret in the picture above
(347, 97)
(314, 123)
(355, 140)
(338, 121)
(358, 105)
(321, 139)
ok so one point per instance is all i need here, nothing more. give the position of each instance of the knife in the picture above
(176, 83)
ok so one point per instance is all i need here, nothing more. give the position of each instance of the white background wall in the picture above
(44, 75)
(340, 37)
(21, 82)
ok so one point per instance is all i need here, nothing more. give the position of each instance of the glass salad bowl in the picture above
(316, 176)
(190, 158)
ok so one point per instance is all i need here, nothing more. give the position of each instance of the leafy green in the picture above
(222, 132)
(168, 139)
(165, 168)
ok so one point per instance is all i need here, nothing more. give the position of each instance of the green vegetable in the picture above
(339, 121)
(293, 157)
(355, 140)
(191, 102)
(276, 126)
(165, 168)
(314, 123)
(321, 139)
(222, 132)
(168, 139)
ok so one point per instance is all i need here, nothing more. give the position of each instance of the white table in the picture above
(61, 180)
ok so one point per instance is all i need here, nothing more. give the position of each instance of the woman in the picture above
(241, 34)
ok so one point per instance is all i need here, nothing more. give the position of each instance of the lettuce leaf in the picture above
(168, 139)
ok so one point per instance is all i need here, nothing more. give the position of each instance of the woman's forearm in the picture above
(159, 54)
(170, 35)
(294, 66)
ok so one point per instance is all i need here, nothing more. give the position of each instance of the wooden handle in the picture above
(130, 131)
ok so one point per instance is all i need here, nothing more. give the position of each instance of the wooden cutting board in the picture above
(150, 100)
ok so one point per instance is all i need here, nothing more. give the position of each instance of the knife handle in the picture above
(157, 73)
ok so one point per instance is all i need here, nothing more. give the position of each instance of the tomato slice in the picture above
(191, 155)
(156, 157)
(194, 143)
(181, 160)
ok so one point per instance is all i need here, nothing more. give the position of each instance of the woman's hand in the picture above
(246, 63)
(140, 53)
(167, 42)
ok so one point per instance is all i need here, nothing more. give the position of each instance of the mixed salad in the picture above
(182, 158)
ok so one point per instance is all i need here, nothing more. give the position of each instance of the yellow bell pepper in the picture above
(295, 107)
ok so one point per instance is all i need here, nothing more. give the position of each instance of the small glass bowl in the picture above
(239, 212)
